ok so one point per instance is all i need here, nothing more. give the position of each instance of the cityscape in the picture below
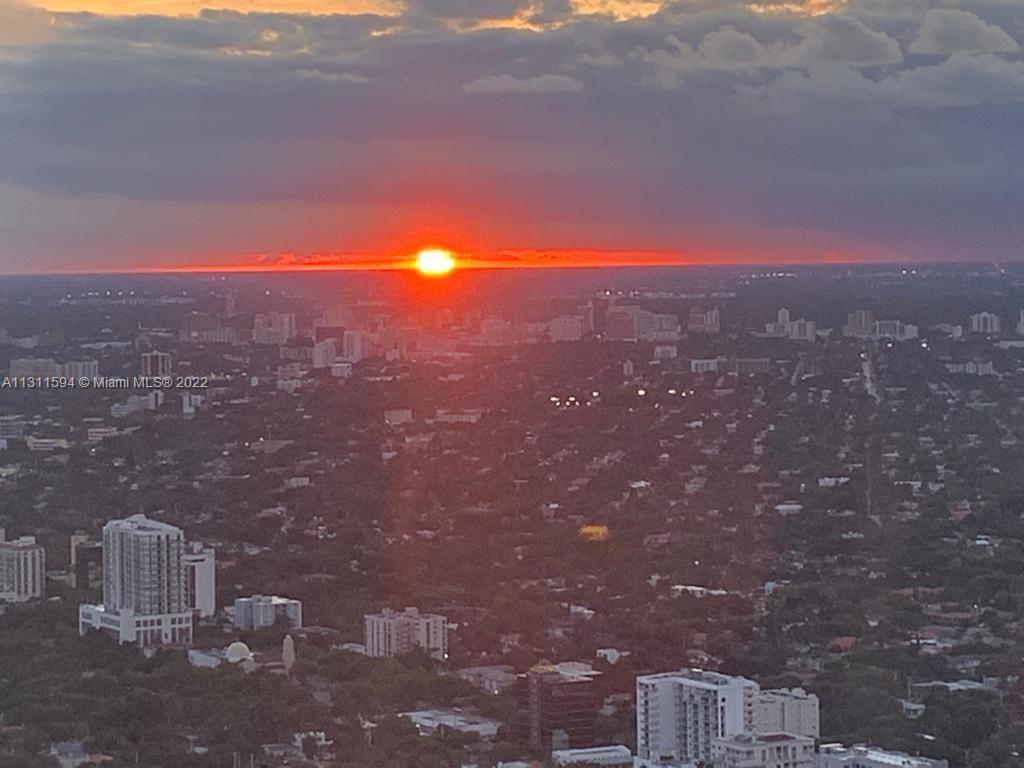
(511, 383)
(727, 517)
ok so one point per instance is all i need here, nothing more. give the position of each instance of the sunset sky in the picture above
(151, 134)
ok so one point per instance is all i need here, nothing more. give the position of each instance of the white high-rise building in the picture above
(264, 611)
(785, 710)
(680, 714)
(22, 569)
(767, 750)
(144, 592)
(390, 633)
(201, 580)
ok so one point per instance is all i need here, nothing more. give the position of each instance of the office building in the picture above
(679, 714)
(200, 580)
(264, 611)
(144, 596)
(390, 633)
(766, 750)
(785, 710)
(860, 756)
(561, 703)
(22, 570)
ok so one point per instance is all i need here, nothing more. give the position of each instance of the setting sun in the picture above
(434, 262)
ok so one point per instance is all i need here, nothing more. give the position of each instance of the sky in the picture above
(177, 134)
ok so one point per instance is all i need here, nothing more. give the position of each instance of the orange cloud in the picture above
(620, 9)
(193, 7)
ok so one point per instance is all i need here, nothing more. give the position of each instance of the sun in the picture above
(435, 262)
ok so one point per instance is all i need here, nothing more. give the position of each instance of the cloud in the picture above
(961, 81)
(833, 39)
(510, 84)
(950, 30)
(22, 24)
(360, 131)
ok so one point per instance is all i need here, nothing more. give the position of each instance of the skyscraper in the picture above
(200, 580)
(22, 570)
(144, 588)
(679, 714)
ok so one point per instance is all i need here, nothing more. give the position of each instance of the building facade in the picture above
(22, 570)
(144, 593)
(768, 750)
(785, 710)
(860, 756)
(561, 704)
(390, 633)
(264, 611)
(680, 714)
(200, 580)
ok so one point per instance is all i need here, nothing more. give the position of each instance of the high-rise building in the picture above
(200, 580)
(561, 704)
(264, 611)
(324, 353)
(859, 324)
(156, 364)
(390, 633)
(699, 321)
(679, 714)
(895, 330)
(144, 595)
(785, 710)
(986, 322)
(354, 345)
(274, 328)
(22, 570)
(765, 750)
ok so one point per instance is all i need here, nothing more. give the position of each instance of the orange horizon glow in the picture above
(508, 259)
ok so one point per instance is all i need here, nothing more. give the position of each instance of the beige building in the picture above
(785, 710)
(22, 570)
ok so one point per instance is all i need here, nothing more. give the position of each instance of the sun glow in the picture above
(435, 262)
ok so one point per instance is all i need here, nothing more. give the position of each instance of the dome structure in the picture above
(237, 652)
